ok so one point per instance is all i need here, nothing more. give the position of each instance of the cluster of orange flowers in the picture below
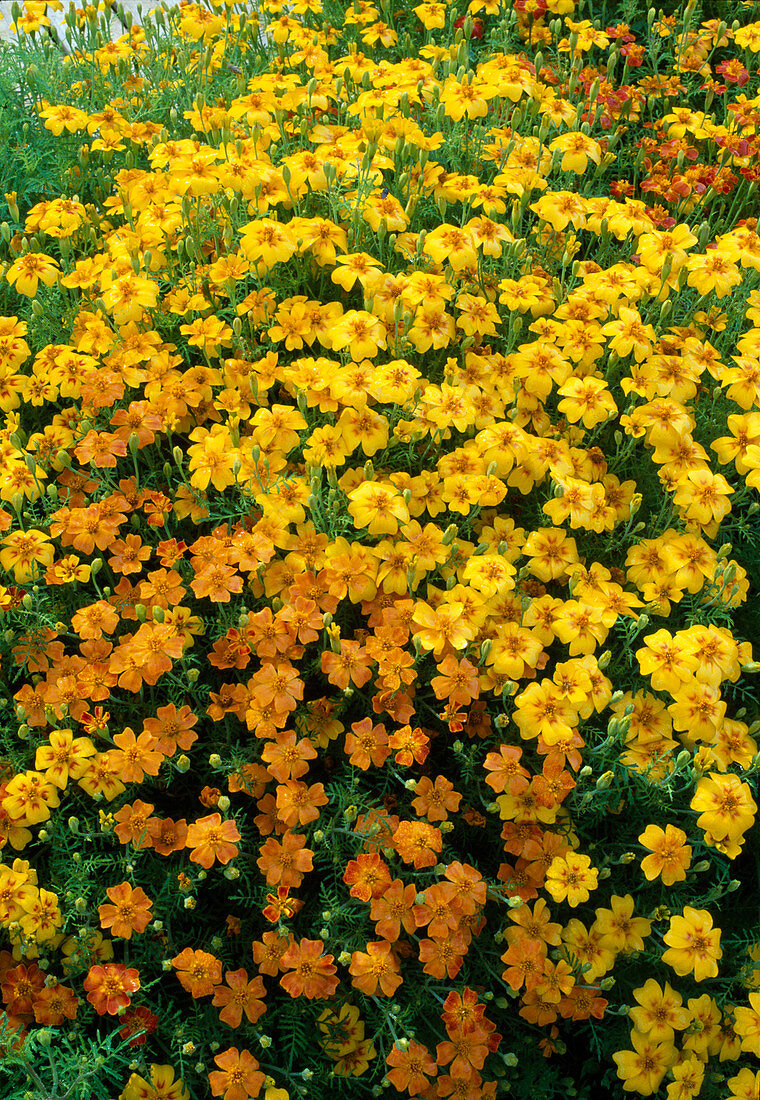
(381, 558)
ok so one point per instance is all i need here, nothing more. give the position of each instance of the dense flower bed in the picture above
(380, 553)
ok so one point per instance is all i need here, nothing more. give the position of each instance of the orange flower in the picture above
(239, 995)
(198, 972)
(311, 973)
(130, 911)
(238, 1076)
(297, 803)
(135, 757)
(411, 1068)
(377, 967)
(167, 836)
(285, 863)
(55, 1003)
(277, 685)
(435, 799)
(268, 952)
(443, 958)
(367, 875)
(110, 987)
(466, 1050)
(367, 744)
(286, 758)
(412, 745)
(350, 664)
(395, 908)
(210, 839)
(417, 843)
(132, 824)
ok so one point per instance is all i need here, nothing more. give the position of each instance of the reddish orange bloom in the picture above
(443, 957)
(55, 1003)
(239, 995)
(137, 1024)
(286, 757)
(395, 908)
(198, 972)
(212, 839)
(505, 770)
(110, 987)
(279, 685)
(268, 952)
(238, 1076)
(281, 906)
(457, 682)
(525, 963)
(167, 836)
(135, 757)
(367, 744)
(435, 799)
(20, 988)
(418, 843)
(130, 911)
(351, 665)
(216, 582)
(312, 974)
(466, 1050)
(440, 911)
(377, 967)
(412, 745)
(462, 1010)
(469, 884)
(132, 823)
(172, 729)
(128, 554)
(367, 875)
(297, 803)
(411, 1068)
(285, 863)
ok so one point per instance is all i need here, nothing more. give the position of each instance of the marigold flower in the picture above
(571, 878)
(411, 1067)
(693, 944)
(239, 996)
(312, 974)
(212, 839)
(130, 911)
(198, 972)
(238, 1076)
(671, 855)
(643, 1068)
(110, 987)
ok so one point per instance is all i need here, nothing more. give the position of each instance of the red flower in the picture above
(477, 26)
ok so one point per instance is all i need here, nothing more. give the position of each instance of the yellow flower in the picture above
(29, 270)
(23, 551)
(694, 945)
(725, 805)
(659, 1011)
(643, 1068)
(60, 118)
(713, 271)
(379, 508)
(432, 16)
(571, 878)
(577, 150)
(671, 855)
(747, 1025)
